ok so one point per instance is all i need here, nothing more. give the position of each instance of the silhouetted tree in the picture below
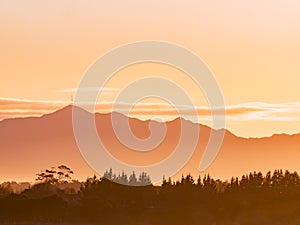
(47, 176)
(132, 179)
(64, 174)
(144, 179)
(61, 174)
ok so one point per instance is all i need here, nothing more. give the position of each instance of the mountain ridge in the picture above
(34, 143)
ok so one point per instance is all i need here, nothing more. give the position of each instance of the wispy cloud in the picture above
(289, 111)
(251, 111)
(89, 89)
(14, 108)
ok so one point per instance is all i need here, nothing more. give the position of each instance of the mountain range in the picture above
(28, 145)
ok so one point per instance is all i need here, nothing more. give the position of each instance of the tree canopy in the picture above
(273, 198)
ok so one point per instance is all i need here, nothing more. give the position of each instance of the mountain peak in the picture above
(49, 140)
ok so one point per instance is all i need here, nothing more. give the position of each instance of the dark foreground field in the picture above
(254, 199)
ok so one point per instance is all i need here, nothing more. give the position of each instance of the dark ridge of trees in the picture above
(142, 180)
(14, 187)
(271, 199)
(5, 190)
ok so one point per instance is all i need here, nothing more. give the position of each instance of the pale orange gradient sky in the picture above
(252, 47)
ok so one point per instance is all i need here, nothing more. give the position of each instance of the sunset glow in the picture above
(252, 48)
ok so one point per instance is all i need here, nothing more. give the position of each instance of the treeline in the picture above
(259, 199)
(142, 180)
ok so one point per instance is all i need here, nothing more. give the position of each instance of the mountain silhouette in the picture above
(28, 145)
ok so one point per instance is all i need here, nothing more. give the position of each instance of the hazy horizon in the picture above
(257, 112)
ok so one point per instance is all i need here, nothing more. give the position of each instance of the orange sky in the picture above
(252, 48)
